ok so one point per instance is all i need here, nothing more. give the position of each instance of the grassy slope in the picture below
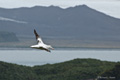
(78, 69)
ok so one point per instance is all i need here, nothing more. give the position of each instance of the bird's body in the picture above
(40, 43)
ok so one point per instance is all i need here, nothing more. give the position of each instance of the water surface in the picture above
(38, 57)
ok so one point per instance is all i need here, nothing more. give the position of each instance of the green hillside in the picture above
(78, 69)
(113, 73)
(8, 37)
(10, 71)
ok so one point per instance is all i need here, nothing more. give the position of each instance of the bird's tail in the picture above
(50, 47)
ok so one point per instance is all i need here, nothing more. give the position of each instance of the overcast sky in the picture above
(110, 7)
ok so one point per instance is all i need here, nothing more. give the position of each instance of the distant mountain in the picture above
(74, 22)
(8, 37)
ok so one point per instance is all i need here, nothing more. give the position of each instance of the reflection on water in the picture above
(37, 57)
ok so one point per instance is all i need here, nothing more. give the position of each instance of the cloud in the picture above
(13, 20)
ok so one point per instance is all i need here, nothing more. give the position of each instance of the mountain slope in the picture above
(8, 37)
(79, 21)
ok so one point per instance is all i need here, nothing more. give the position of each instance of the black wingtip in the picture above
(34, 30)
(36, 34)
(48, 50)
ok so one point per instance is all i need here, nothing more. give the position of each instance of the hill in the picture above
(79, 26)
(10, 71)
(113, 73)
(78, 22)
(78, 69)
(8, 37)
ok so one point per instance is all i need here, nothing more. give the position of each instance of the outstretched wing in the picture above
(39, 40)
(42, 48)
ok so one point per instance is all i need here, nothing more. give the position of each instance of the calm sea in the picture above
(37, 57)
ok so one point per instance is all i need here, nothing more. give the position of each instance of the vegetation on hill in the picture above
(8, 37)
(78, 69)
(113, 73)
(10, 71)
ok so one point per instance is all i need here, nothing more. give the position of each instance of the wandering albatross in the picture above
(40, 44)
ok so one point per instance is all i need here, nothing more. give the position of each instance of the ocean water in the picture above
(31, 57)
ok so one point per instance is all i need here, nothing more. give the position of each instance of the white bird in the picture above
(40, 44)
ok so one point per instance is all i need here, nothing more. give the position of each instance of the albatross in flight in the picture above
(40, 44)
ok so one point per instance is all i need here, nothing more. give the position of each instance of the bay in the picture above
(32, 57)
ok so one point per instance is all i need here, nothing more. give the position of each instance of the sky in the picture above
(109, 7)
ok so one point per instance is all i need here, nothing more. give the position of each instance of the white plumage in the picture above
(40, 43)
